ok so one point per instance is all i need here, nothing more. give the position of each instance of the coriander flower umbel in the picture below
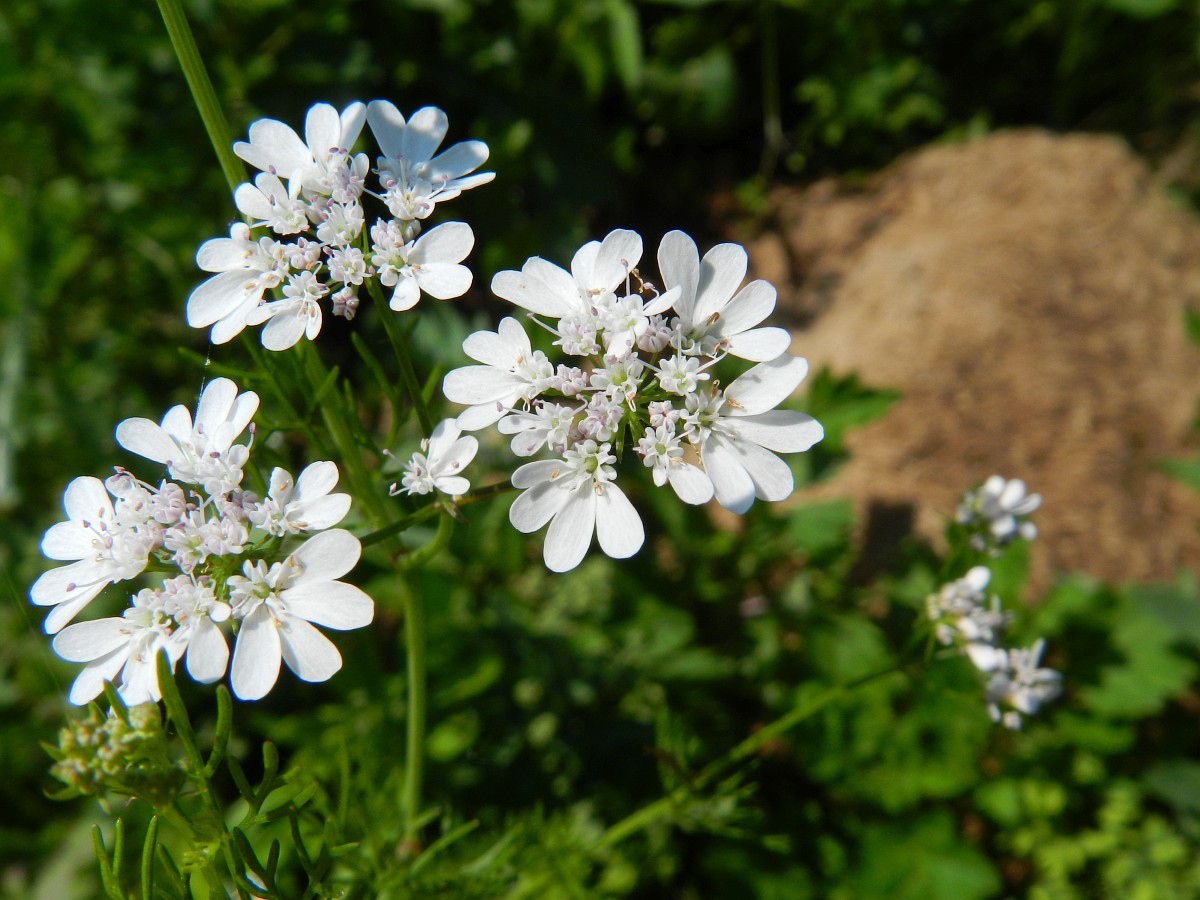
(429, 264)
(278, 607)
(438, 468)
(1019, 686)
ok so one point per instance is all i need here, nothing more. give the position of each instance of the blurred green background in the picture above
(563, 704)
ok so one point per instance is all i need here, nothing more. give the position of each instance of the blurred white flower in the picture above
(1019, 687)
(999, 507)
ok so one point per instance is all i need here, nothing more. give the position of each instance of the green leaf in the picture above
(626, 35)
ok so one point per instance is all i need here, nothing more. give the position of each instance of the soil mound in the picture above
(1025, 292)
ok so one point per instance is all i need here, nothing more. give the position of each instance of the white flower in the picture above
(126, 646)
(429, 264)
(104, 551)
(999, 505)
(739, 431)
(578, 497)
(278, 607)
(201, 453)
(963, 617)
(302, 505)
(511, 372)
(1022, 686)
(196, 611)
(662, 452)
(298, 314)
(414, 179)
(320, 163)
(548, 424)
(713, 312)
(246, 269)
(445, 455)
(548, 290)
(272, 203)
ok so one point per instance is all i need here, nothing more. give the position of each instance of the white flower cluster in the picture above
(638, 374)
(996, 513)
(965, 618)
(119, 528)
(307, 239)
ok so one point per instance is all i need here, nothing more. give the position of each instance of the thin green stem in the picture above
(664, 805)
(414, 743)
(399, 342)
(202, 90)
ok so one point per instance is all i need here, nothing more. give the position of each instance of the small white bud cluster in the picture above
(996, 513)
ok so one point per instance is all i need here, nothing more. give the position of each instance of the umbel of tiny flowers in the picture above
(202, 534)
(307, 242)
(995, 513)
(635, 375)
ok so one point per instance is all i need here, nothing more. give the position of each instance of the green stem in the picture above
(399, 342)
(202, 90)
(177, 713)
(664, 805)
(414, 744)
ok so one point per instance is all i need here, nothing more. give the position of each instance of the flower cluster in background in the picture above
(308, 239)
(201, 536)
(995, 513)
(966, 618)
(638, 374)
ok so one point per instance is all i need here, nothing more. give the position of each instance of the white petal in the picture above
(479, 384)
(482, 416)
(332, 604)
(766, 385)
(619, 254)
(539, 288)
(570, 532)
(86, 498)
(424, 134)
(501, 348)
(444, 282)
(251, 201)
(781, 430)
(322, 129)
(732, 486)
(221, 255)
(256, 657)
(85, 641)
(406, 293)
(317, 479)
(324, 512)
(68, 540)
(207, 652)
(679, 263)
(352, 119)
(448, 243)
(721, 271)
(535, 473)
(274, 145)
(307, 652)
(537, 506)
(463, 157)
(759, 344)
(618, 526)
(388, 125)
(215, 404)
(146, 438)
(690, 483)
(453, 485)
(771, 476)
(749, 306)
(220, 295)
(91, 680)
(284, 330)
(328, 556)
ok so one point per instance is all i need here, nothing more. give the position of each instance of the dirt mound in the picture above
(1025, 292)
